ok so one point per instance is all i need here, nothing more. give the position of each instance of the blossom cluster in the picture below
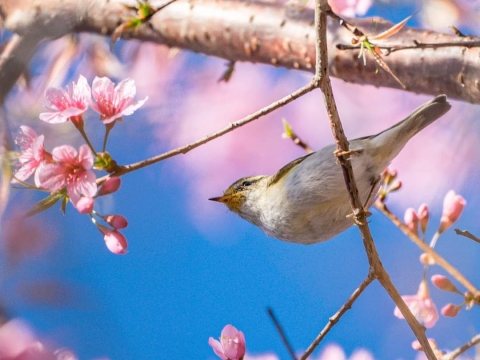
(67, 173)
(421, 304)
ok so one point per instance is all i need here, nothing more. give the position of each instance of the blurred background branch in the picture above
(264, 32)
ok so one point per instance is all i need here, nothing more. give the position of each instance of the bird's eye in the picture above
(246, 183)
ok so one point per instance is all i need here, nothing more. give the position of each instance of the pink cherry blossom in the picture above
(67, 104)
(453, 206)
(114, 102)
(411, 220)
(71, 169)
(421, 306)
(18, 342)
(32, 154)
(231, 345)
(116, 242)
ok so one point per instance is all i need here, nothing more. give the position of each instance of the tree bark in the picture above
(269, 33)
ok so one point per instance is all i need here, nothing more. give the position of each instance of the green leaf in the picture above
(45, 204)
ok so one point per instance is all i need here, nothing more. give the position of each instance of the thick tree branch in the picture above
(266, 33)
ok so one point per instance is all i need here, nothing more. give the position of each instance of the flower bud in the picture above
(396, 185)
(423, 214)
(389, 174)
(115, 241)
(451, 310)
(453, 206)
(426, 259)
(117, 221)
(85, 205)
(444, 283)
(411, 220)
(110, 185)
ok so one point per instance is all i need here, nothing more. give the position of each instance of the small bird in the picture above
(306, 201)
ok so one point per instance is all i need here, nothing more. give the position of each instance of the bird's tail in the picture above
(395, 137)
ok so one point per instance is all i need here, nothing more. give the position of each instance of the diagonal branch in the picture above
(322, 80)
(461, 349)
(336, 317)
(232, 126)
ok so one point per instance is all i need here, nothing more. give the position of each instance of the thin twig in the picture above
(380, 206)
(281, 333)
(417, 45)
(232, 126)
(467, 234)
(336, 317)
(323, 81)
(461, 349)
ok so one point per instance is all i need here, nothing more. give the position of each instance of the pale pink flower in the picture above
(451, 310)
(67, 104)
(71, 169)
(350, 7)
(18, 341)
(411, 220)
(110, 185)
(421, 306)
(117, 221)
(335, 352)
(423, 214)
(32, 155)
(231, 345)
(116, 242)
(453, 206)
(114, 102)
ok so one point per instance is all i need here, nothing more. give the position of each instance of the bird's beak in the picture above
(221, 199)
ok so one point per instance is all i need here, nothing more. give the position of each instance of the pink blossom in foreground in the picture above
(451, 310)
(116, 242)
(335, 352)
(231, 345)
(110, 185)
(32, 155)
(71, 169)
(114, 102)
(67, 104)
(411, 220)
(453, 206)
(18, 342)
(421, 306)
(423, 215)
